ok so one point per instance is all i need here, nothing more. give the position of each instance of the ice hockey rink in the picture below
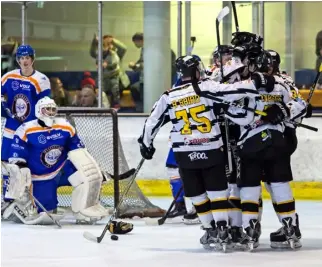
(172, 244)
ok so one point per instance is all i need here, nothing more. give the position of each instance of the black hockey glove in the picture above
(146, 152)
(262, 80)
(120, 228)
(251, 51)
(309, 111)
(276, 113)
(242, 38)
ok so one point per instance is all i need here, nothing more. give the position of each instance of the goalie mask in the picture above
(46, 110)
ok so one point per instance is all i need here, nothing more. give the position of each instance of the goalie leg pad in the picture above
(87, 182)
(18, 180)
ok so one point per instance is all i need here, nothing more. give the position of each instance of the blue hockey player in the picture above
(47, 153)
(20, 91)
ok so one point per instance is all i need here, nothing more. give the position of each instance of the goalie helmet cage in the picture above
(98, 129)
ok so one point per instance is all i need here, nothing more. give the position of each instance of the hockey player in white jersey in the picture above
(47, 153)
(201, 160)
(263, 150)
(270, 61)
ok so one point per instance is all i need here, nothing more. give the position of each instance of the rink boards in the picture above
(152, 178)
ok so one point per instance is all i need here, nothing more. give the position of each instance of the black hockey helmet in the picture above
(222, 49)
(242, 38)
(276, 60)
(264, 61)
(187, 66)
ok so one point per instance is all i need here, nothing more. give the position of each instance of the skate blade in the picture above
(191, 222)
(252, 246)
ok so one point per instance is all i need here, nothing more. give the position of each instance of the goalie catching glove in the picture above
(120, 228)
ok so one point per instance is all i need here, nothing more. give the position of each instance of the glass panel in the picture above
(274, 29)
(121, 20)
(10, 35)
(244, 12)
(205, 29)
(61, 33)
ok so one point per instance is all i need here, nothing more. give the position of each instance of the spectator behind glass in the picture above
(87, 98)
(8, 55)
(83, 98)
(58, 93)
(318, 52)
(114, 78)
(88, 80)
(137, 89)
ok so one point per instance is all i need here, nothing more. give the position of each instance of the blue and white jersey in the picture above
(20, 94)
(44, 149)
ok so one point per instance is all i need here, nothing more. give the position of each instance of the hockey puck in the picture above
(114, 237)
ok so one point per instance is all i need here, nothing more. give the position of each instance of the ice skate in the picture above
(191, 217)
(252, 233)
(224, 239)
(279, 241)
(238, 237)
(209, 239)
(179, 210)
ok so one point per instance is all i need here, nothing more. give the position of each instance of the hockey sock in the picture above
(234, 213)
(285, 204)
(219, 205)
(269, 190)
(203, 208)
(176, 185)
(249, 203)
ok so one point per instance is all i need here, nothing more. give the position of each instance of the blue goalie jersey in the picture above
(44, 149)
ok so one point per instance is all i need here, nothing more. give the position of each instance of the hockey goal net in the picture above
(98, 129)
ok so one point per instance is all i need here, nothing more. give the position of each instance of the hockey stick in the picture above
(233, 4)
(36, 200)
(193, 39)
(259, 112)
(122, 176)
(90, 236)
(224, 12)
(153, 221)
(47, 212)
(312, 89)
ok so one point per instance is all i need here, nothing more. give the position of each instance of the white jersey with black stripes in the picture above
(195, 126)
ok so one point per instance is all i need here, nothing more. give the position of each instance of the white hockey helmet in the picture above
(46, 110)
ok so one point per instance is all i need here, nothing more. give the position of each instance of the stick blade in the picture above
(90, 237)
(152, 221)
(223, 13)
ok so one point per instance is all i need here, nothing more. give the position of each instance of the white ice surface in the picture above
(173, 244)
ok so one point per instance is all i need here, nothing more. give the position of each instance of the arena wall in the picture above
(306, 161)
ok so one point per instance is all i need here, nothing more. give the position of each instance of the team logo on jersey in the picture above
(51, 155)
(197, 155)
(196, 141)
(15, 85)
(42, 139)
(21, 107)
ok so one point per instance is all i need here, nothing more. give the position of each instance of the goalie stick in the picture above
(98, 239)
(153, 221)
(122, 176)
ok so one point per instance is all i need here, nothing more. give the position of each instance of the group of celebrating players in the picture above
(234, 125)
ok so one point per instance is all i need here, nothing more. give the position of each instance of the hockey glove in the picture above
(308, 111)
(276, 113)
(146, 152)
(120, 228)
(262, 80)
